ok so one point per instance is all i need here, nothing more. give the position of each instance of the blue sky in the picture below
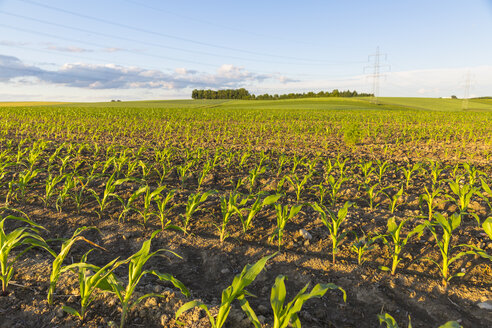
(143, 49)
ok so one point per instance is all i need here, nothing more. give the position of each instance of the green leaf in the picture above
(487, 226)
(451, 324)
(71, 311)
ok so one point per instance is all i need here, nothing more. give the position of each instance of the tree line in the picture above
(245, 94)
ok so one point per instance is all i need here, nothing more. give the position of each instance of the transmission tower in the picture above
(464, 103)
(376, 71)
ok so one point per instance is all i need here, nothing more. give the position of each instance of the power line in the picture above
(142, 30)
(143, 42)
(222, 26)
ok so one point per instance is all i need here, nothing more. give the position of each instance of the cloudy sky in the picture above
(147, 49)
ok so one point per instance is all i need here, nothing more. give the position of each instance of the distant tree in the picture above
(454, 97)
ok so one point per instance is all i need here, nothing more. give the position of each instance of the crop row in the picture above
(93, 279)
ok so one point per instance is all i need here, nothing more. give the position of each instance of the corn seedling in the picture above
(194, 201)
(382, 167)
(367, 169)
(78, 193)
(335, 186)
(487, 226)
(283, 216)
(128, 205)
(60, 257)
(163, 211)
(26, 236)
(254, 173)
(51, 183)
(207, 167)
(394, 199)
(373, 193)
(362, 245)
(298, 184)
(255, 208)
(391, 322)
(397, 242)
(135, 274)
(182, 170)
(443, 242)
(408, 173)
(228, 207)
(91, 278)
(429, 197)
(285, 315)
(321, 191)
(235, 291)
(333, 221)
(488, 190)
(109, 194)
(462, 195)
(148, 198)
(65, 191)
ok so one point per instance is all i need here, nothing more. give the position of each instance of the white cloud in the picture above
(111, 76)
(68, 49)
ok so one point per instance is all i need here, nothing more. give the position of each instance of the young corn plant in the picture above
(79, 190)
(163, 211)
(382, 167)
(207, 167)
(473, 173)
(50, 186)
(128, 205)
(109, 194)
(235, 291)
(228, 207)
(254, 173)
(287, 315)
(342, 167)
(296, 161)
(25, 236)
(367, 169)
(487, 226)
(487, 196)
(409, 173)
(19, 186)
(284, 214)
(397, 242)
(135, 274)
(373, 193)
(298, 184)
(259, 203)
(333, 221)
(194, 201)
(391, 322)
(335, 187)
(430, 198)
(394, 199)
(146, 169)
(65, 191)
(435, 172)
(462, 196)
(60, 257)
(91, 278)
(147, 212)
(443, 242)
(182, 171)
(320, 191)
(363, 245)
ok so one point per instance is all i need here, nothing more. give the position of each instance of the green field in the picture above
(329, 183)
(388, 103)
